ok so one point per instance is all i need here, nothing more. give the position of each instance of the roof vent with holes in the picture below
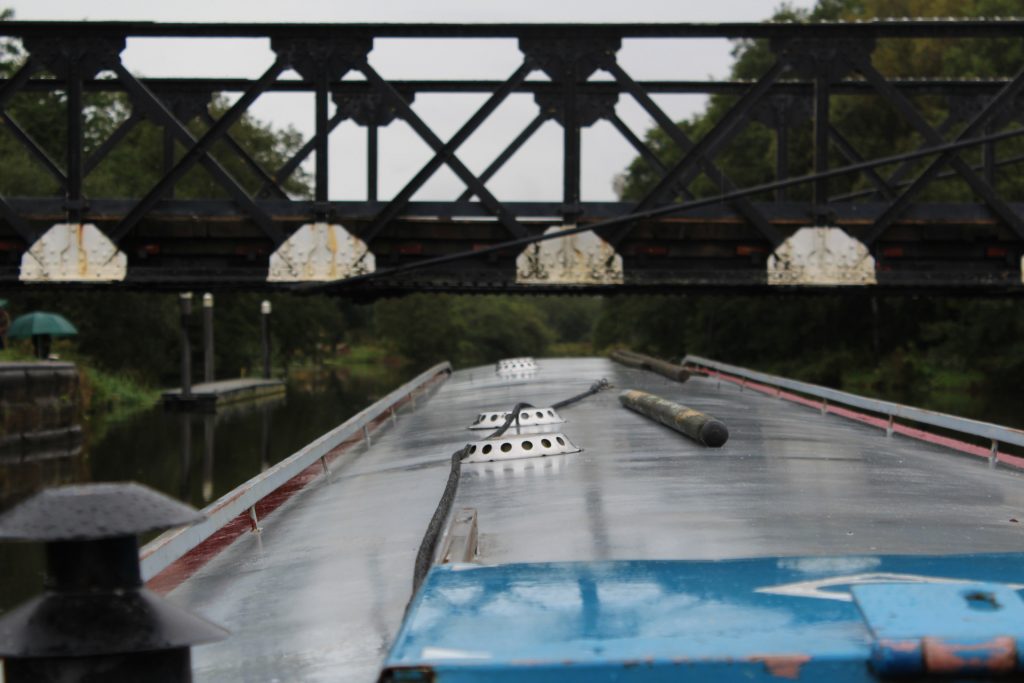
(507, 366)
(513, 447)
(528, 417)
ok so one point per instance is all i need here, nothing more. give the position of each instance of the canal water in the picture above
(192, 457)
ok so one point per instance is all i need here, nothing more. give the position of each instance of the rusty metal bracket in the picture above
(948, 629)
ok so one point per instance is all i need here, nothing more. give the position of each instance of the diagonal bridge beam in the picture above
(198, 152)
(931, 137)
(703, 161)
(7, 91)
(444, 153)
(697, 152)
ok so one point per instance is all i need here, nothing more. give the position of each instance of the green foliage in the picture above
(113, 396)
(468, 330)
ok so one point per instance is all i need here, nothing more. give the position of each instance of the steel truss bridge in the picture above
(743, 238)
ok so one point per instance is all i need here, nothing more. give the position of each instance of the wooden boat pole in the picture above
(702, 428)
(639, 360)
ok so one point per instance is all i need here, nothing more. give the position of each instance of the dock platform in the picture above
(209, 396)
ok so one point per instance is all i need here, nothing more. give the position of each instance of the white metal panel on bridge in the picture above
(580, 259)
(320, 252)
(73, 252)
(821, 256)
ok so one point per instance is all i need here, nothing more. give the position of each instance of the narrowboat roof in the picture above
(321, 591)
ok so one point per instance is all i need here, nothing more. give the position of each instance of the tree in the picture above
(468, 330)
(823, 338)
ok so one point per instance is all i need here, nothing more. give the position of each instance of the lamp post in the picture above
(265, 327)
(208, 372)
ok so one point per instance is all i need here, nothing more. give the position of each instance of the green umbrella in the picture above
(41, 322)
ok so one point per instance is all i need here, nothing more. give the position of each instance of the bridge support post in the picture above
(569, 62)
(209, 431)
(823, 61)
(372, 111)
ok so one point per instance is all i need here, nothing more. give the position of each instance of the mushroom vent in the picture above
(528, 417)
(510, 366)
(514, 447)
(92, 512)
(96, 620)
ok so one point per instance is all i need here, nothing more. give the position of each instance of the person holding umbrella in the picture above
(41, 327)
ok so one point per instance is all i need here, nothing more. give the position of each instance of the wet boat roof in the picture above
(319, 593)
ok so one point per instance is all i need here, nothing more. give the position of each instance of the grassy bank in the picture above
(113, 396)
(103, 395)
(365, 359)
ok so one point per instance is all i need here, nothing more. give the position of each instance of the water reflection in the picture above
(29, 462)
(194, 457)
(198, 471)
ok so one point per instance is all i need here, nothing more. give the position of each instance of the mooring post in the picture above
(186, 347)
(265, 327)
(208, 373)
(186, 455)
(265, 440)
(209, 431)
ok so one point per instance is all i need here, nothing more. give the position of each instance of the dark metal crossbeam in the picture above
(33, 148)
(796, 87)
(12, 85)
(914, 28)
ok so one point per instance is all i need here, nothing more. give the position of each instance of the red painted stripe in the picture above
(873, 420)
(195, 559)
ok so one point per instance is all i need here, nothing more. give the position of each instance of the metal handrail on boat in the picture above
(167, 548)
(996, 434)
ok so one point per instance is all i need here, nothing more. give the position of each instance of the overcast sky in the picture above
(535, 172)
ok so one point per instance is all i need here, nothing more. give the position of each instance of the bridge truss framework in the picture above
(670, 239)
